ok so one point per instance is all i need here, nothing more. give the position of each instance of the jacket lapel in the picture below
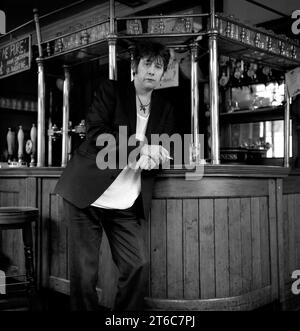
(130, 102)
(154, 117)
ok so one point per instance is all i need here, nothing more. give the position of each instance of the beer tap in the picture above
(54, 132)
(79, 129)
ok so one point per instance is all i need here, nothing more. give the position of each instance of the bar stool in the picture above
(22, 218)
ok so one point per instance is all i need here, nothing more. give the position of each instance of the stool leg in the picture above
(28, 249)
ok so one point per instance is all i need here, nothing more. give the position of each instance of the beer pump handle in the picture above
(20, 143)
(33, 135)
(10, 143)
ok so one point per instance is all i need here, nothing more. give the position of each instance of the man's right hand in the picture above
(145, 162)
(156, 152)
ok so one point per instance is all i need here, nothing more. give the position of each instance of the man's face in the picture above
(149, 72)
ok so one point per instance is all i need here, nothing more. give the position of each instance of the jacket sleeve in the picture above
(169, 128)
(169, 125)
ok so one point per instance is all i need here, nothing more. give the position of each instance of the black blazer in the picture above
(82, 182)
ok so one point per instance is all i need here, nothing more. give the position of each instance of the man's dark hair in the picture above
(151, 50)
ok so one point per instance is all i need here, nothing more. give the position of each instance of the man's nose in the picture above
(151, 69)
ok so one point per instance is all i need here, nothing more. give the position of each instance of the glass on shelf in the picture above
(231, 106)
(256, 103)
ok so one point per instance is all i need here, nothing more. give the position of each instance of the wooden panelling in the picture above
(290, 241)
(222, 245)
(209, 187)
(217, 242)
(280, 239)
(235, 249)
(14, 192)
(174, 249)
(274, 217)
(246, 242)
(221, 248)
(291, 233)
(297, 230)
(58, 236)
(191, 249)
(291, 185)
(207, 248)
(158, 262)
(256, 248)
(48, 209)
(285, 231)
(264, 242)
(285, 250)
(247, 301)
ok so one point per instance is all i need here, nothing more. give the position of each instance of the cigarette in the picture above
(169, 157)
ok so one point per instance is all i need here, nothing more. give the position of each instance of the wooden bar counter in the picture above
(229, 241)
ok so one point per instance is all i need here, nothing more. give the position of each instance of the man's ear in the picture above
(133, 68)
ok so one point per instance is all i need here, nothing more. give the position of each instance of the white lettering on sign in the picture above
(2, 282)
(296, 283)
(15, 57)
(296, 24)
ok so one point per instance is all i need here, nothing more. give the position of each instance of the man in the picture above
(114, 199)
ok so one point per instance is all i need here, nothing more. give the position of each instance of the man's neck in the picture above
(146, 93)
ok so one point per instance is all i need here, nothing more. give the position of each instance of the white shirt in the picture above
(125, 189)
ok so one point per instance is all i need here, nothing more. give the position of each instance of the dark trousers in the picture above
(124, 233)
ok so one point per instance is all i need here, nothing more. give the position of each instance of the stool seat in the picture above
(11, 216)
(21, 218)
